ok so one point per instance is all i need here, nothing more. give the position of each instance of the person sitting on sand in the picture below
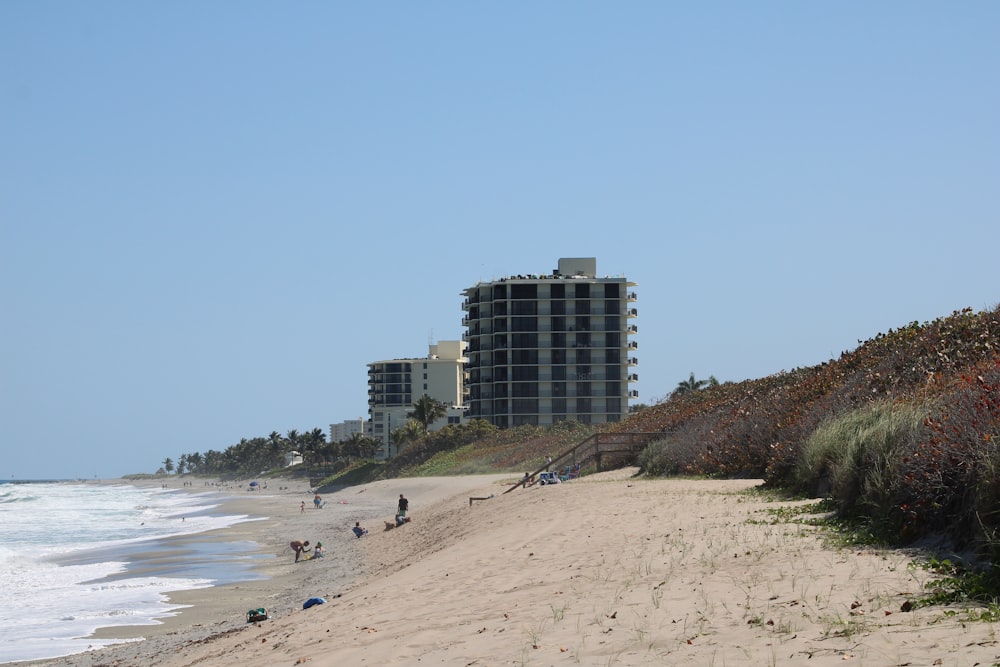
(358, 530)
(299, 547)
(319, 551)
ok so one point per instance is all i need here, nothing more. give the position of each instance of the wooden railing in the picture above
(597, 448)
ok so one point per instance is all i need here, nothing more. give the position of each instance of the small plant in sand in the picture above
(657, 595)
(535, 634)
(837, 626)
(949, 582)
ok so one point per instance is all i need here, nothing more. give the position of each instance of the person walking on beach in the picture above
(302, 508)
(404, 505)
(299, 547)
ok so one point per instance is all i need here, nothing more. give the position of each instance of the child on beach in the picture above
(358, 530)
(319, 551)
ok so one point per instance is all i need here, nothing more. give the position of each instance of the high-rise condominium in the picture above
(546, 348)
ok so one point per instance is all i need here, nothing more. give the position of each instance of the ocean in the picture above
(75, 557)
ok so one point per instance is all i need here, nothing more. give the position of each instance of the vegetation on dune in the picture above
(901, 432)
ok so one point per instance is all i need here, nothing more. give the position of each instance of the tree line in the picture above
(251, 456)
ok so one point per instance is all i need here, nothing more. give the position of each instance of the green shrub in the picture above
(655, 459)
(855, 458)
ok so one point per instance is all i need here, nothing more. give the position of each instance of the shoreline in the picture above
(276, 582)
(606, 569)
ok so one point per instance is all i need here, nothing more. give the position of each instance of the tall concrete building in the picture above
(395, 384)
(547, 348)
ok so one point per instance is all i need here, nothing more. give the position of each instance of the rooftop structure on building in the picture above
(395, 384)
(552, 347)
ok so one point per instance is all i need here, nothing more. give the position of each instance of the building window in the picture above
(525, 374)
(525, 406)
(524, 356)
(524, 340)
(524, 291)
(524, 308)
(524, 324)
(524, 389)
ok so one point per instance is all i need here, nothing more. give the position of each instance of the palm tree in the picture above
(168, 464)
(361, 446)
(427, 411)
(408, 433)
(689, 385)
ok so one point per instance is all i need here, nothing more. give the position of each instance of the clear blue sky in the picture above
(214, 215)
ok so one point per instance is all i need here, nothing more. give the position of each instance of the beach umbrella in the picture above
(253, 483)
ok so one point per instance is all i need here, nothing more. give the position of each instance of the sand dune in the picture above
(606, 570)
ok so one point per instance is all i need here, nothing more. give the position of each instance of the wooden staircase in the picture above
(599, 448)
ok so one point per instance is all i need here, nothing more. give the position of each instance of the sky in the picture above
(213, 216)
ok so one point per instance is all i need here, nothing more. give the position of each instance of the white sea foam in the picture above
(64, 556)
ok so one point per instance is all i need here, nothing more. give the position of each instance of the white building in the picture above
(395, 384)
(344, 430)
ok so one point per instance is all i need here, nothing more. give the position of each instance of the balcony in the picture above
(632, 361)
(633, 345)
(633, 377)
(632, 296)
(633, 312)
(632, 329)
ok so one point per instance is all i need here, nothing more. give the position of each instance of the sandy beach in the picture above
(605, 570)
